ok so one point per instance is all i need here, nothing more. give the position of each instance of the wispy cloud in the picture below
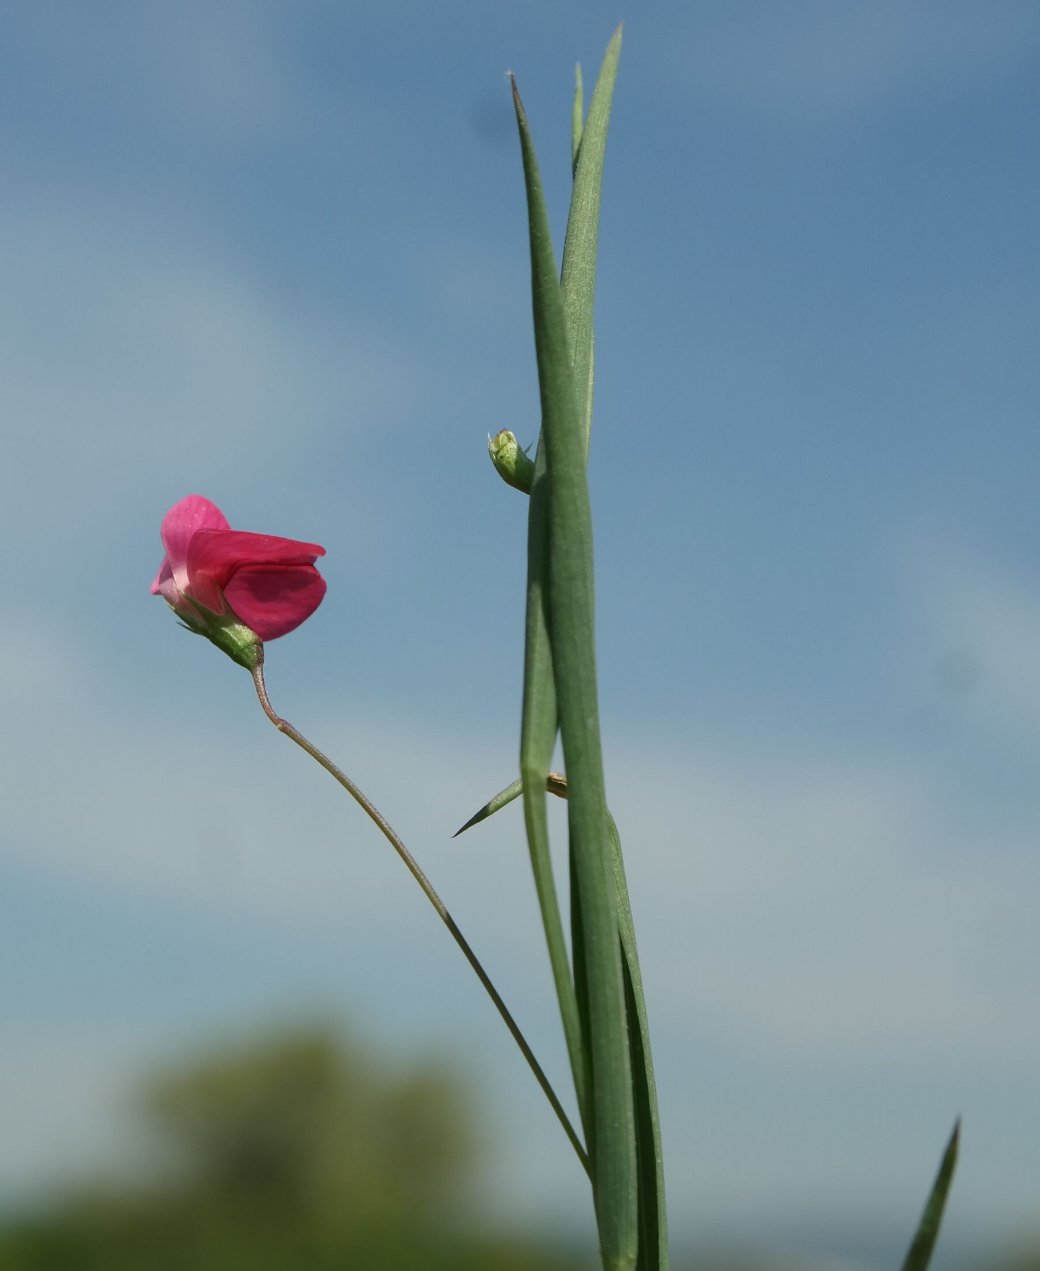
(144, 362)
(821, 904)
(831, 908)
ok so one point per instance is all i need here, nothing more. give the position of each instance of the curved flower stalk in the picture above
(238, 589)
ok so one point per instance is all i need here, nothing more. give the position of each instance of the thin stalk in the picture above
(428, 890)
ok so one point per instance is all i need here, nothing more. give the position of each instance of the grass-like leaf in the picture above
(538, 726)
(539, 720)
(653, 1222)
(560, 479)
(653, 1227)
(577, 118)
(578, 279)
(920, 1253)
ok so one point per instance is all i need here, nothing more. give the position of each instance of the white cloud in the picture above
(816, 905)
(197, 799)
(831, 909)
(133, 355)
(820, 903)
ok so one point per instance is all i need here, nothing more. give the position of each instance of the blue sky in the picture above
(276, 255)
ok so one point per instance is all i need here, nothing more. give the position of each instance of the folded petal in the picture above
(274, 599)
(219, 553)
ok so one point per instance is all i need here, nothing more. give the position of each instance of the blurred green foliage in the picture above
(296, 1152)
(300, 1151)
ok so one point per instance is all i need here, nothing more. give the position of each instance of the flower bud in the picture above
(515, 466)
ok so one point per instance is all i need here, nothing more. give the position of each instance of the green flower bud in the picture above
(515, 466)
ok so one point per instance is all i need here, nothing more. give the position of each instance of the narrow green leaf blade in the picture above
(653, 1219)
(578, 278)
(577, 117)
(920, 1253)
(571, 612)
(555, 783)
(495, 804)
(537, 738)
(653, 1224)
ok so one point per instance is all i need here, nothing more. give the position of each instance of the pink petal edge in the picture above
(179, 527)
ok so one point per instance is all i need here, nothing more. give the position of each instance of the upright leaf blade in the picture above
(577, 117)
(653, 1219)
(571, 628)
(539, 711)
(582, 241)
(537, 738)
(653, 1224)
(920, 1253)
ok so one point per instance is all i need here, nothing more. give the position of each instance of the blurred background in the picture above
(276, 255)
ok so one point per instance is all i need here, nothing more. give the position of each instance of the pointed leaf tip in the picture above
(923, 1245)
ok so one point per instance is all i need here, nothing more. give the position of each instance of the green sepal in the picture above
(226, 631)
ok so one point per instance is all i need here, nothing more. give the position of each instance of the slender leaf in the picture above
(581, 991)
(495, 804)
(920, 1253)
(571, 628)
(577, 118)
(578, 278)
(653, 1227)
(653, 1220)
(577, 283)
(539, 712)
(537, 738)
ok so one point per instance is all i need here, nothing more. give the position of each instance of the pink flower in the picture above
(231, 586)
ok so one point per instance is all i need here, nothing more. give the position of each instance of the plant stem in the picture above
(396, 842)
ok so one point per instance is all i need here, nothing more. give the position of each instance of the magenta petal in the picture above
(274, 599)
(268, 583)
(219, 553)
(179, 527)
